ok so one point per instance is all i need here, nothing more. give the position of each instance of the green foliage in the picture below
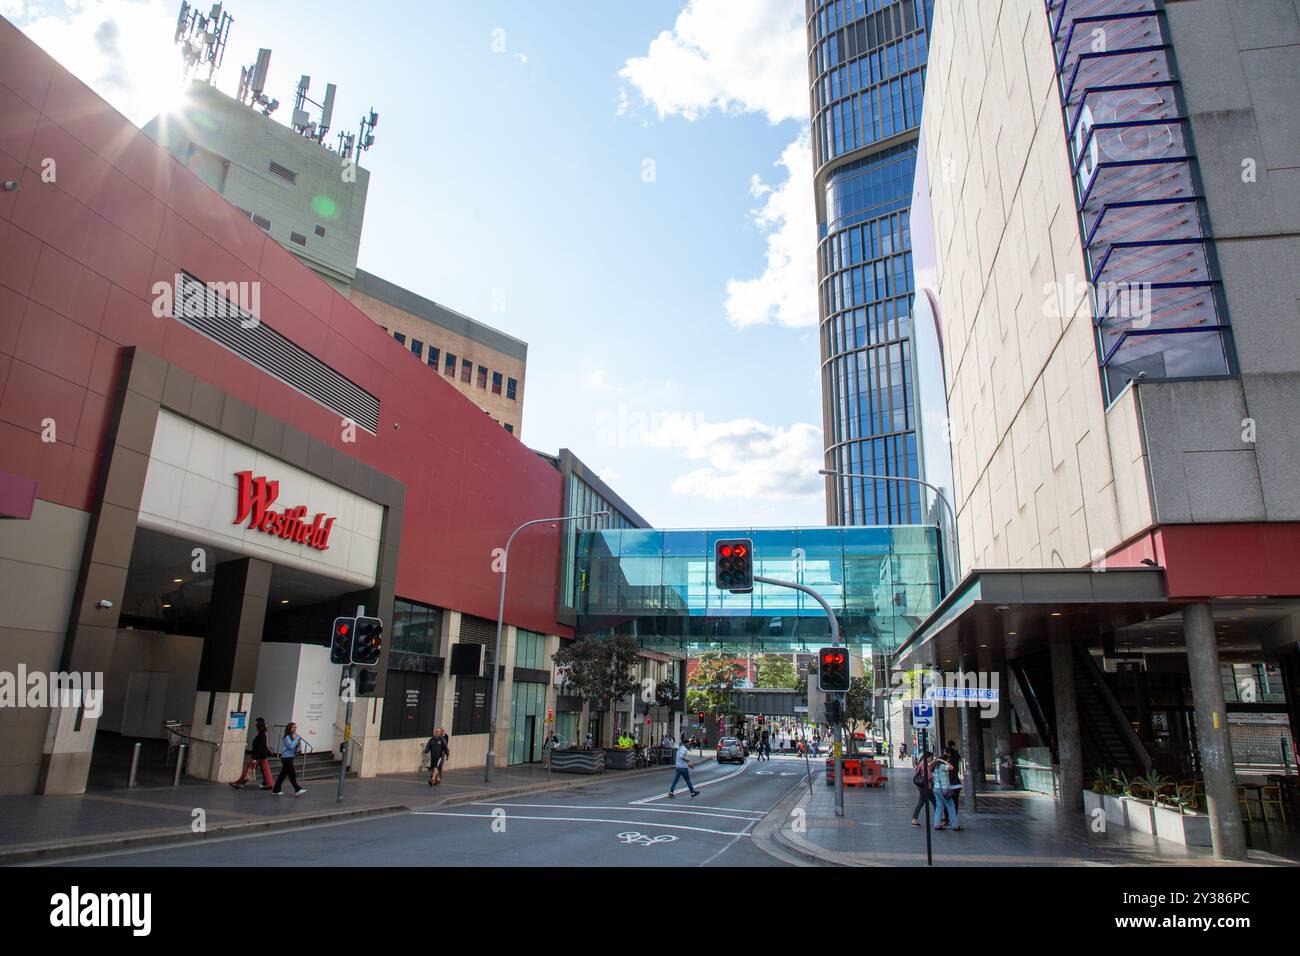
(601, 669)
(857, 703)
(776, 670)
(1146, 787)
(665, 692)
(715, 676)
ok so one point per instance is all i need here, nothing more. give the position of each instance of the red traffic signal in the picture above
(701, 716)
(733, 565)
(341, 640)
(833, 669)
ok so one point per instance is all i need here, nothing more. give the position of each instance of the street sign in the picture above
(922, 714)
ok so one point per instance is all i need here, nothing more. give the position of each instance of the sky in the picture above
(626, 186)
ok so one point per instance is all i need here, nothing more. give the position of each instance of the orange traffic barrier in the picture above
(853, 774)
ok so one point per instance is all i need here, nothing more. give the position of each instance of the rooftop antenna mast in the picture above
(202, 39)
(366, 136)
(252, 82)
(302, 122)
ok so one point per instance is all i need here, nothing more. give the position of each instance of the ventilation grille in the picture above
(284, 172)
(262, 221)
(208, 311)
(320, 230)
(298, 237)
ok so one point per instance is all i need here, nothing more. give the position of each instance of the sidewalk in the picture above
(1011, 828)
(43, 827)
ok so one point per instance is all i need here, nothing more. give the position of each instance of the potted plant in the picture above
(1143, 793)
(1177, 819)
(1115, 799)
(1094, 796)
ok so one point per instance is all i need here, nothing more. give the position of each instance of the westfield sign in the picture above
(256, 495)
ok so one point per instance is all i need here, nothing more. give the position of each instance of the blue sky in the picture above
(625, 186)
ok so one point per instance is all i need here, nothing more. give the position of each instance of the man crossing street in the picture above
(683, 771)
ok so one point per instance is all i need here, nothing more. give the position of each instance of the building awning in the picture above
(1008, 613)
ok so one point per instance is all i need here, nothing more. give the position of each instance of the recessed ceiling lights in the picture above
(1056, 614)
(166, 605)
(176, 580)
(285, 601)
(1011, 633)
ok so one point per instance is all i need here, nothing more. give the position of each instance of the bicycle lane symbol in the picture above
(631, 837)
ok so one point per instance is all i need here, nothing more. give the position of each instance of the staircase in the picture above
(1107, 740)
(319, 765)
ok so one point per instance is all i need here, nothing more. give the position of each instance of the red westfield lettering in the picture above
(256, 495)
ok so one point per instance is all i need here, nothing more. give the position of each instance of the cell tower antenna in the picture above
(202, 39)
(252, 82)
(302, 121)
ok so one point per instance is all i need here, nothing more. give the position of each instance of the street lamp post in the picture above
(501, 610)
(938, 493)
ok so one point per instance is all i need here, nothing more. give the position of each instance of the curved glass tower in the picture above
(866, 62)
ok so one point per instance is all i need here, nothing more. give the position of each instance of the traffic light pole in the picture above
(835, 639)
(349, 674)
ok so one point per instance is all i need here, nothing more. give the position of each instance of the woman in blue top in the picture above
(289, 748)
(943, 794)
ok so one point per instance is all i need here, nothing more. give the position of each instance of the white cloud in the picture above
(745, 459)
(786, 292)
(122, 49)
(747, 58)
(736, 57)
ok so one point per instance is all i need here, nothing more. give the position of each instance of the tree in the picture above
(666, 692)
(857, 704)
(714, 678)
(776, 670)
(601, 669)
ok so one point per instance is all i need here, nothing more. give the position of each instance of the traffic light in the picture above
(701, 715)
(833, 669)
(341, 640)
(733, 565)
(366, 682)
(368, 641)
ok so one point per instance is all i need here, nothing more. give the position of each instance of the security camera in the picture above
(103, 604)
(11, 185)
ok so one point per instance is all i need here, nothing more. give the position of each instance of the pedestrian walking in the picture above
(953, 756)
(943, 794)
(683, 767)
(439, 749)
(290, 745)
(923, 781)
(259, 758)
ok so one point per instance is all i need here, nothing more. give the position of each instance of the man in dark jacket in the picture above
(439, 749)
(260, 757)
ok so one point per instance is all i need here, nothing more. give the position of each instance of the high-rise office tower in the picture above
(866, 65)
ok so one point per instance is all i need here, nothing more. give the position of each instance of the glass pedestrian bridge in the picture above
(657, 586)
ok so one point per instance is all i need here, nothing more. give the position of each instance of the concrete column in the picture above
(228, 666)
(1069, 748)
(444, 709)
(367, 718)
(505, 702)
(1226, 829)
(217, 752)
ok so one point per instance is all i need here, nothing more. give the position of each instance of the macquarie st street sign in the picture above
(254, 499)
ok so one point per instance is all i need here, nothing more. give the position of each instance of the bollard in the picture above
(135, 764)
(180, 762)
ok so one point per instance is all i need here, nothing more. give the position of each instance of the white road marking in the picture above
(699, 812)
(642, 823)
(641, 839)
(698, 786)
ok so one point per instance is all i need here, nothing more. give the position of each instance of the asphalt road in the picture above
(629, 822)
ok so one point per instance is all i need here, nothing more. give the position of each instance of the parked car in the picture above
(730, 748)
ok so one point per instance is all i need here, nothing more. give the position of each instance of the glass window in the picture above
(511, 385)
(433, 357)
(482, 377)
(400, 337)
(449, 368)
(510, 428)
(417, 347)
(496, 383)
(466, 370)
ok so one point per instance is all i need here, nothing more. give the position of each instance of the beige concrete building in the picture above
(485, 365)
(1105, 235)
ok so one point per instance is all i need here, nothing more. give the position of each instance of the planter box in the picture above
(1189, 829)
(1116, 810)
(1092, 801)
(1141, 816)
(578, 761)
(617, 759)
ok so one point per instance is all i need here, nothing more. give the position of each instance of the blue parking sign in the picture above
(923, 714)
